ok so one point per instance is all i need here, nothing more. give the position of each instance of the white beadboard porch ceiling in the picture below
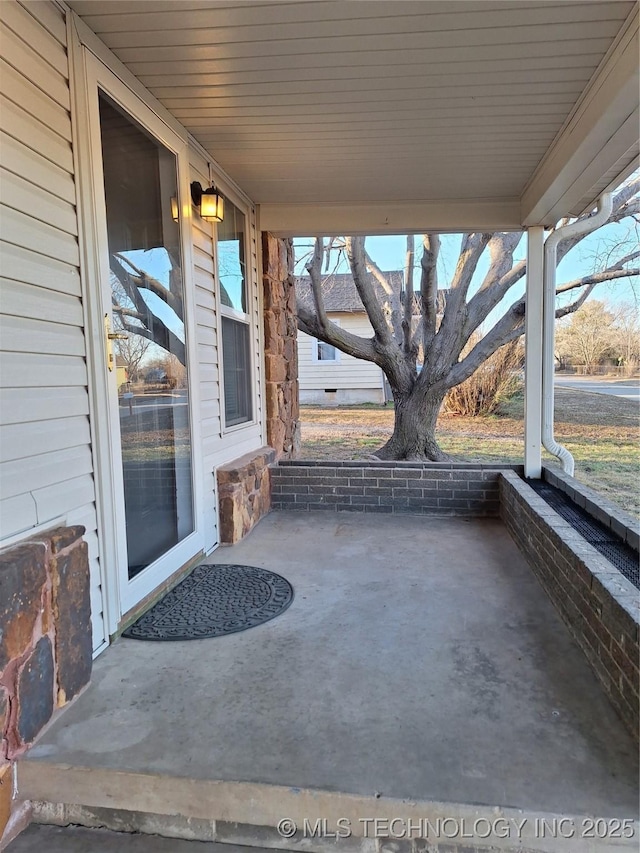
(361, 101)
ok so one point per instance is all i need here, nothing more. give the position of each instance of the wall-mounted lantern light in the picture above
(210, 202)
(175, 212)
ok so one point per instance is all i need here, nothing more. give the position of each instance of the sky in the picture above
(389, 253)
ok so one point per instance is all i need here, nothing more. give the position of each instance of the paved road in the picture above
(629, 389)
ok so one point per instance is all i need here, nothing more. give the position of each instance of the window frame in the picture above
(315, 344)
(249, 319)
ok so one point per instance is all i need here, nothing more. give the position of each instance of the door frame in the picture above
(92, 67)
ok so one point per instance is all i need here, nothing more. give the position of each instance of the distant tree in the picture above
(166, 369)
(588, 336)
(132, 352)
(627, 335)
(443, 338)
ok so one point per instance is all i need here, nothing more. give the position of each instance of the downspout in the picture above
(603, 212)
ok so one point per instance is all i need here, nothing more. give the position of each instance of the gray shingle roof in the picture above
(339, 290)
(340, 294)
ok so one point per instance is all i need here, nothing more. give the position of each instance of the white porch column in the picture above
(533, 353)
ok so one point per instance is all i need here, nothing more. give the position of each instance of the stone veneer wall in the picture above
(45, 638)
(599, 605)
(281, 348)
(419, 488)
(244, 493)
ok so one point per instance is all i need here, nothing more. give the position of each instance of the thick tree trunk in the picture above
(414, 429)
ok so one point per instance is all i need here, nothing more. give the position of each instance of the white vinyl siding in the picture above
(220, 446)
(207, 347)
(348, 372)
(46, 472)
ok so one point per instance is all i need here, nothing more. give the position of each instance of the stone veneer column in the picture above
(45, 640)
(281, 350)
(244, 494)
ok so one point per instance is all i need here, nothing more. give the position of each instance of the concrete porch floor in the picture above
(419, 660)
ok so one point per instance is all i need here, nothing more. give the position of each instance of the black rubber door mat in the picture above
(212, 601)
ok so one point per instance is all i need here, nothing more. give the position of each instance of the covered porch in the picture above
(421, 672)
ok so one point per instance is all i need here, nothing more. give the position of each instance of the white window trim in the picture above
(314, 350)
(250, 319)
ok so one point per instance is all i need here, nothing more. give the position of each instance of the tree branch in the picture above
(507, 329)
(429, 287)
(473, 245)
(331, 334)
(598, 278)
(314, 268)
(356, 256)
(500, 277)
(141, 279)
(393, 305)
(450, 337)
(625, 203)
(129, 312)
(407, 320)
(511, 325)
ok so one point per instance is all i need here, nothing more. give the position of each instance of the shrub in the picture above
(495, 381)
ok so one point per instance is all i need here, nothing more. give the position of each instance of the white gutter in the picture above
(603, 212)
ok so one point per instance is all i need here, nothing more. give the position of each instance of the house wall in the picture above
(46, 471)
(219, 445)
(242, 444)
(350, 380)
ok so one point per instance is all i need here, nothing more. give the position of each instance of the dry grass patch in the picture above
(600, 431)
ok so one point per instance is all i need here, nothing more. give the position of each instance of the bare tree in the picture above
(132, 352)
(627, 330)
(442, 339)
(134, 313)
(588, 336)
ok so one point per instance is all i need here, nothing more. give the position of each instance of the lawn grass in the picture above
(600, 431)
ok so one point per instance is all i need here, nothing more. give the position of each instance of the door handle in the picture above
(111, 336)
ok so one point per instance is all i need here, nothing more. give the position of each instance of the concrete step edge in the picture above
(256, 815)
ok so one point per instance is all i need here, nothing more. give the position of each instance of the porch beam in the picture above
(412, 217)
(533, 354)
(598, 145)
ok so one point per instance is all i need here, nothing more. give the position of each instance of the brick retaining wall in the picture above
(598, 507)
(598, 604)
(427, 488)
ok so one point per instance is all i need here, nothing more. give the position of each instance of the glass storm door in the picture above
(146, 332)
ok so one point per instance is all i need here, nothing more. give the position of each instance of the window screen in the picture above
(237, 372)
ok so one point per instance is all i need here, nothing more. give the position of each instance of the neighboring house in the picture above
(326, 375)
(332, 378)
(115, 117)
(122, 373)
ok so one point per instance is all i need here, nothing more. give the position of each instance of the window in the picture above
(325, 352)
(236, 332)
(237, 370)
